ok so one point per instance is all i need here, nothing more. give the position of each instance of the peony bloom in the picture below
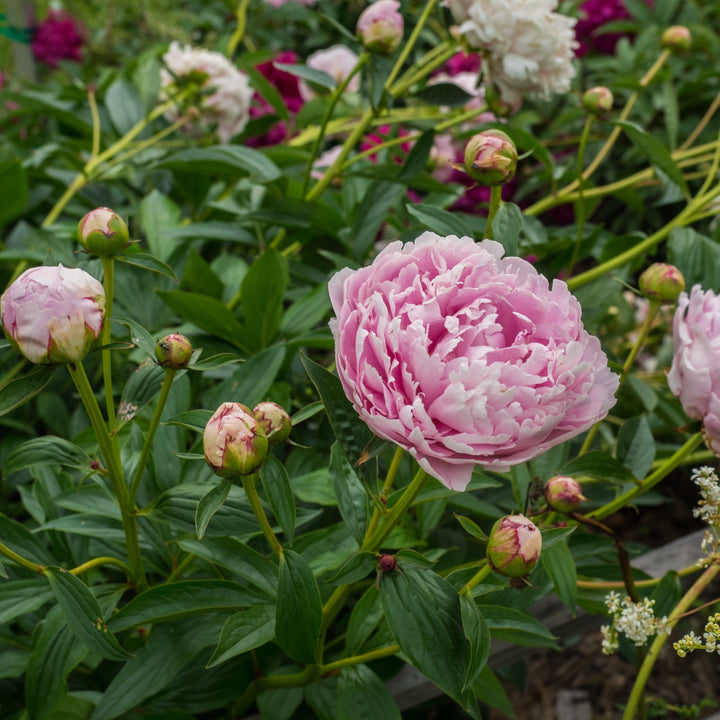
(337, 61)
(53, 314)
(593, 15)
(694, 375)
(225, 107)
(526, 46)
(465, 358)
(380, 27)
(59, 37)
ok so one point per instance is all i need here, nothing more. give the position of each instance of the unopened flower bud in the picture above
(563, 493)
(677, 38)
(380, 27)
(274, 421)
(598, 101)
(514, 546)
(234, 441)
(52, 315)
(387, 563)
(103, 232)
(491, 157)
(173, 351)
(662, 282)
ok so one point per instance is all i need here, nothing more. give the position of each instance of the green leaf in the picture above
(636, 446)
(124, 106)
(560, 567)
(148, 262)
(139, 335)
(306, 312)
(209, 504)
(371, 213)
(48, 450)
(666, 594)
(517, 627)
(224, 160)
(20, 389)
(696, 256)
(507, 226)
(478, 634)
(158, 214)
(244, 631)
(488, 690)
(22, 596)
(444, 93)
(365, 616)
(362, 695)
(299, 609)
(418, 157)
(440, 221)
(423, 612)
(352, 498)
(263, 291)
(470, 527)
(307, 412)
(407, 556)
(13, 190)
(181, 599)
(192, 419)
(598, 465)
(356, 567)
(555, 535)
(318, 77)
(215, 362)
(19, 539)
(279, 493)
(521, 480)
(142, 386)
(83, 613)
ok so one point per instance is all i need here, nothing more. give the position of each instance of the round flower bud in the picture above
(598, 101)
(234, 441)
(380, 27)
(103, 232)
(274, 421)
(387, 563)
(514, 546)
(563, 493)
(662, 282)
(173, 351)
(677, 38)
(52, 315)
(491, 157)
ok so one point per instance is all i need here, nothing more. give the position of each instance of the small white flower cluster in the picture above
(708, 509)
(526, 47)
(225, 106)
(636, 621)
(691, 641)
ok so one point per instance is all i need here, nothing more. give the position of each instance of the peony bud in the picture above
(173, 351)
(274, 421)
(103, 232)
(234, 441)
(380, 27)
(662, 282)
(514, 546)
(598, 101)
(563, 493)
(677, 38)
(52, 315)
(491, 157)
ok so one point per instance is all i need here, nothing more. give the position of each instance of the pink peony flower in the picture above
(464, 358)
(53, 314)
(380, 27)
(694, 375)
(59, 37)
(593, 15)
(337, 61)
(463, 63)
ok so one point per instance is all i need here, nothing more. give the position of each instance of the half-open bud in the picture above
(677, 38)
(598, 101)
(103, 232)
(514, 546)
(274, 421)
(491, 157)
(173, 351)
(380, 27)
(234, 441)
(662, 282)
(563, 493)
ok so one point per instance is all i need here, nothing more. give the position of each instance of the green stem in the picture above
(95, 115)
(581, 187)
(424, 67)
(358, 659)
(703, 122)
(237, 36)
(20, 560)
(12, 372)
(248, 483)
(476, 579)
(99, 561)
(620, 584)
(646, 668)
(495, 203)
(108, 264)
(387, 486)
(182, 566)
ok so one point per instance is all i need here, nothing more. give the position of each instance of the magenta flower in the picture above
(593, 15)
(464, 358)
(694, 375)
(53, 314)
(59, 37)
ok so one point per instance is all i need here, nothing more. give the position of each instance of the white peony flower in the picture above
(227, 103)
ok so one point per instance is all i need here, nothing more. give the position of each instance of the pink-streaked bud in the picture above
(380, 27)
(103, 232)
(53, 315)
(563, 493)
(677, 38)
(598, 101)
(234, 441)
(662, 282)
(173, 351)
(514, 546)
(274, 421)
(491, 157)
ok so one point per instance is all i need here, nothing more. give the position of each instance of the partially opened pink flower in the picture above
(337, 61)
(465, 358)
(695, 372)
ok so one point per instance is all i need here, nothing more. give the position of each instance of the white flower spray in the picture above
(635, 620)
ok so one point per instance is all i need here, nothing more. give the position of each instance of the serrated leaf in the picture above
(362, 695)
(478, 634)
(47, 450)
(244, 631)
(560, 567)
(279, 493)
(20, 389)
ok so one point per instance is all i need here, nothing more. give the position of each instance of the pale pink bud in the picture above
(491, 157)
(662, 282)
(173, 351)
(52, 315)
(677, 38)
(563, 493)
(103, 232)
(234, 441)
(380, 27)
(598, 101)
(514, 546)
(274, 421)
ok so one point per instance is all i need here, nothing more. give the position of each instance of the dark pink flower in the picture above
(286, 84)
(59, 37)
(593, 15)
(463, 62)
